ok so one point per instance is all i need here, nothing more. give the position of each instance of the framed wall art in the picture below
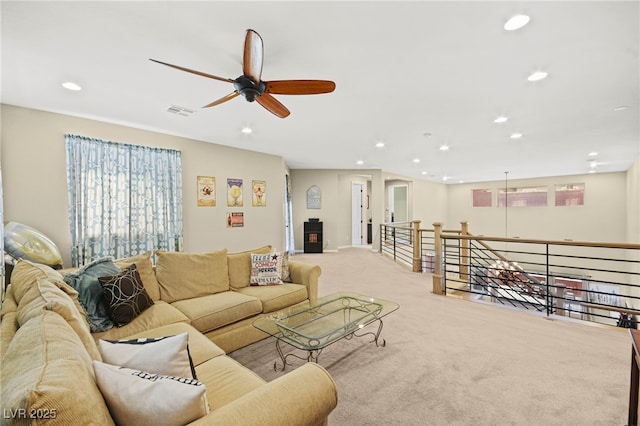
(234, 192)
(259, 190)
(313, 197)
(235, 219)
(206, 191)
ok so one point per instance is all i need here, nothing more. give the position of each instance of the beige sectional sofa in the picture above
(50, 358)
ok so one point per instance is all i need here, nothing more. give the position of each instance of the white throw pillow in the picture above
(161, 355)
(135, 397)
(266, 269)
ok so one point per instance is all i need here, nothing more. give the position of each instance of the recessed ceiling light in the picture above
(621, 108)
(516, 22)
(444, 147)
(423, 172)
(537, 76)
(416, 160)
(70, 85)
(359, 162)
(501, 119)
(445, 177)
(246, 130)
(592, 154)
(516, 135)
(380, 145)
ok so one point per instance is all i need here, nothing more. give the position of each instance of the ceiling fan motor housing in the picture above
(248, 88)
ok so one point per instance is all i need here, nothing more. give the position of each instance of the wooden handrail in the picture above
(550, 242)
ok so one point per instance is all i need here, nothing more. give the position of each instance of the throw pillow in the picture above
(286, 274)
(184, 275)
(160, 355)
(125, 295)
(146, 271)
(266, 269)
(135, 397)
(85, 281)
(239, 264)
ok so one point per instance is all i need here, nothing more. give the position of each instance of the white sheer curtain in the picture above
(123, 199)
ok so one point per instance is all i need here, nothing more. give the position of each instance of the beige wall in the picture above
(603, 217)
(35, 190)
(34, 180)
(430, 203)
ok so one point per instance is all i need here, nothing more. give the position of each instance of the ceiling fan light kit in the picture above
(252, 88)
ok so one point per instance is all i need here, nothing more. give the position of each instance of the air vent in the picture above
(178, 110)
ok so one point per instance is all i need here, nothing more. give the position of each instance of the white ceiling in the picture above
(414, 75)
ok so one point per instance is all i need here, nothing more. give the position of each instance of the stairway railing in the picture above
(592, 281)
(598, 282)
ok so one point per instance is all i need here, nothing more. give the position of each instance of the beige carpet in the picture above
(454, 362)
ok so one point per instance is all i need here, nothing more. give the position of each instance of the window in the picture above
(570, 194)
(482, 197)
(123, 199)
(523, 197)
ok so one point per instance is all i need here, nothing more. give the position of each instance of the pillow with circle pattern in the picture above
(125, 295)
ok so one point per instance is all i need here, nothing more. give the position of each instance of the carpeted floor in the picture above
(454, 362)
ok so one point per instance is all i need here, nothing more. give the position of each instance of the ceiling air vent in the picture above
(178, 110)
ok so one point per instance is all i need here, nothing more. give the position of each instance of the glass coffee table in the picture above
(313, 327)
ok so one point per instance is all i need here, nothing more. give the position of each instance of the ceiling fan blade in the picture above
(221, 100)
(253, 56)
(215, 77)
(273, 105)
(299, 87)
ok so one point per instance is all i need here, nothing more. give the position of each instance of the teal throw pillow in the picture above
(85, 281)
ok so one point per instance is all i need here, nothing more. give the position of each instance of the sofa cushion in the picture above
(159, 314)
(8, 327)
(135, 397)
(240, 266)
(60, 298)
(266, 269)
(9, 304)
(25, 274)
(145, 269)
(159, 355)
(231, 381)
(124, 295)
(46, 370)
(276, 297)
(85, 280)
(188, 275)
(210, 312)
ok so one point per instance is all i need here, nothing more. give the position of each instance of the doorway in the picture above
(398, 203)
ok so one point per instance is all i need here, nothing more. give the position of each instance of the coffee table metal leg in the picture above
(312, 356)
(376, 335)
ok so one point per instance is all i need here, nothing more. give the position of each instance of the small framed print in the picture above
(206, 191)
(235, 219)
(313, 197)
(234, 192)
(259, 190)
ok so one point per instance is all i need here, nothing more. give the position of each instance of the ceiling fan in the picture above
(253, 88)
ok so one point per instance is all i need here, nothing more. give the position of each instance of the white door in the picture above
(356, 214)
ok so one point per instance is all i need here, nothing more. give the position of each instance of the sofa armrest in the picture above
(307, 275)
(304, 396)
